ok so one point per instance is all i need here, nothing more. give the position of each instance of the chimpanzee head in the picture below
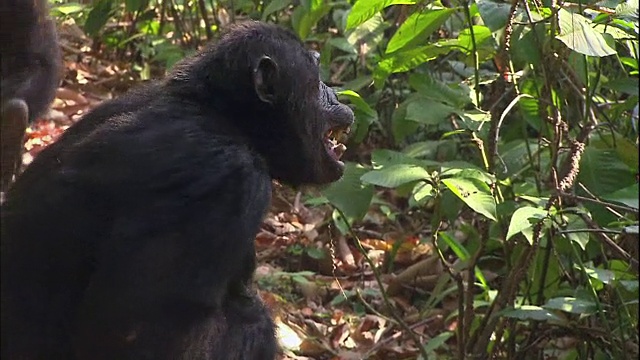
(262, 79)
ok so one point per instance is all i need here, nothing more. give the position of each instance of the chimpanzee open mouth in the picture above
(334, 140)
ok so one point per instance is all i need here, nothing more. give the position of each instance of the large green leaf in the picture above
(135, 5)
(481, 34)
(405, 60)
(274, 6)
(67, 9)
(602, 171)
(395, 175)
(451, 169)
(523, 220)
(349, 194)
(576, 32)
(385, 157)
(494, 14)
(531, 312)
(624, 85)
(306, 16)
(370, 32)
(604, 275)
(364, 10)
(625, 149)
(428, 112)
(434, 89)
(417, 27)
(98, 17)
(628, 10)
(475, 193)
(628, 196)
(571, 305)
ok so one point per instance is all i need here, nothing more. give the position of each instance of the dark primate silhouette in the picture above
(132, 236)
(30, 63)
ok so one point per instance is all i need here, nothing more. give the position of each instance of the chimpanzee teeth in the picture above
(338, 150)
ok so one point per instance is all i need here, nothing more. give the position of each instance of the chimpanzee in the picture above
(30, 62)
(131, 237)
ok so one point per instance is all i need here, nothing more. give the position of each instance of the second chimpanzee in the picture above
(131, 237)
(30, 64)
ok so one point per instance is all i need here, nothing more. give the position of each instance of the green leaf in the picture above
(475, 193)
(434, 89)
(628, 196)
(364, 10)
(602, 172)
(396, 175)
(305, 17)
(494, 14)
(316, 253)
(523, 219)
(364, 114)
(69, 8)
(438, 341)
(578, 35)
(359, 102)
(579, 237)
(385, 157)
(603, 275)
(625, 85)
(428, 112)
(625, 149)
(135, 5)
(417, 28)
(571, 305)
(462, 253)
(463, 171)
(405, 60)
(628, 10)
(421, 192)
(480, 33)
(457, 248)
(275, 6)
(342, 44)
(349, 194)
(98, 17)
(530, 312)
(370, 33)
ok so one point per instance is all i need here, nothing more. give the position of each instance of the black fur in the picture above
(132, 236)
(30, 63)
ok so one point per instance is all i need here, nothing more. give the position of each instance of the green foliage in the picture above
(560, 61)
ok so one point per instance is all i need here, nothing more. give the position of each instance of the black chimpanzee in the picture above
(131, 237)
(30, 63)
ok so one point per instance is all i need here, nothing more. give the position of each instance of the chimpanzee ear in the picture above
(265, 75)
